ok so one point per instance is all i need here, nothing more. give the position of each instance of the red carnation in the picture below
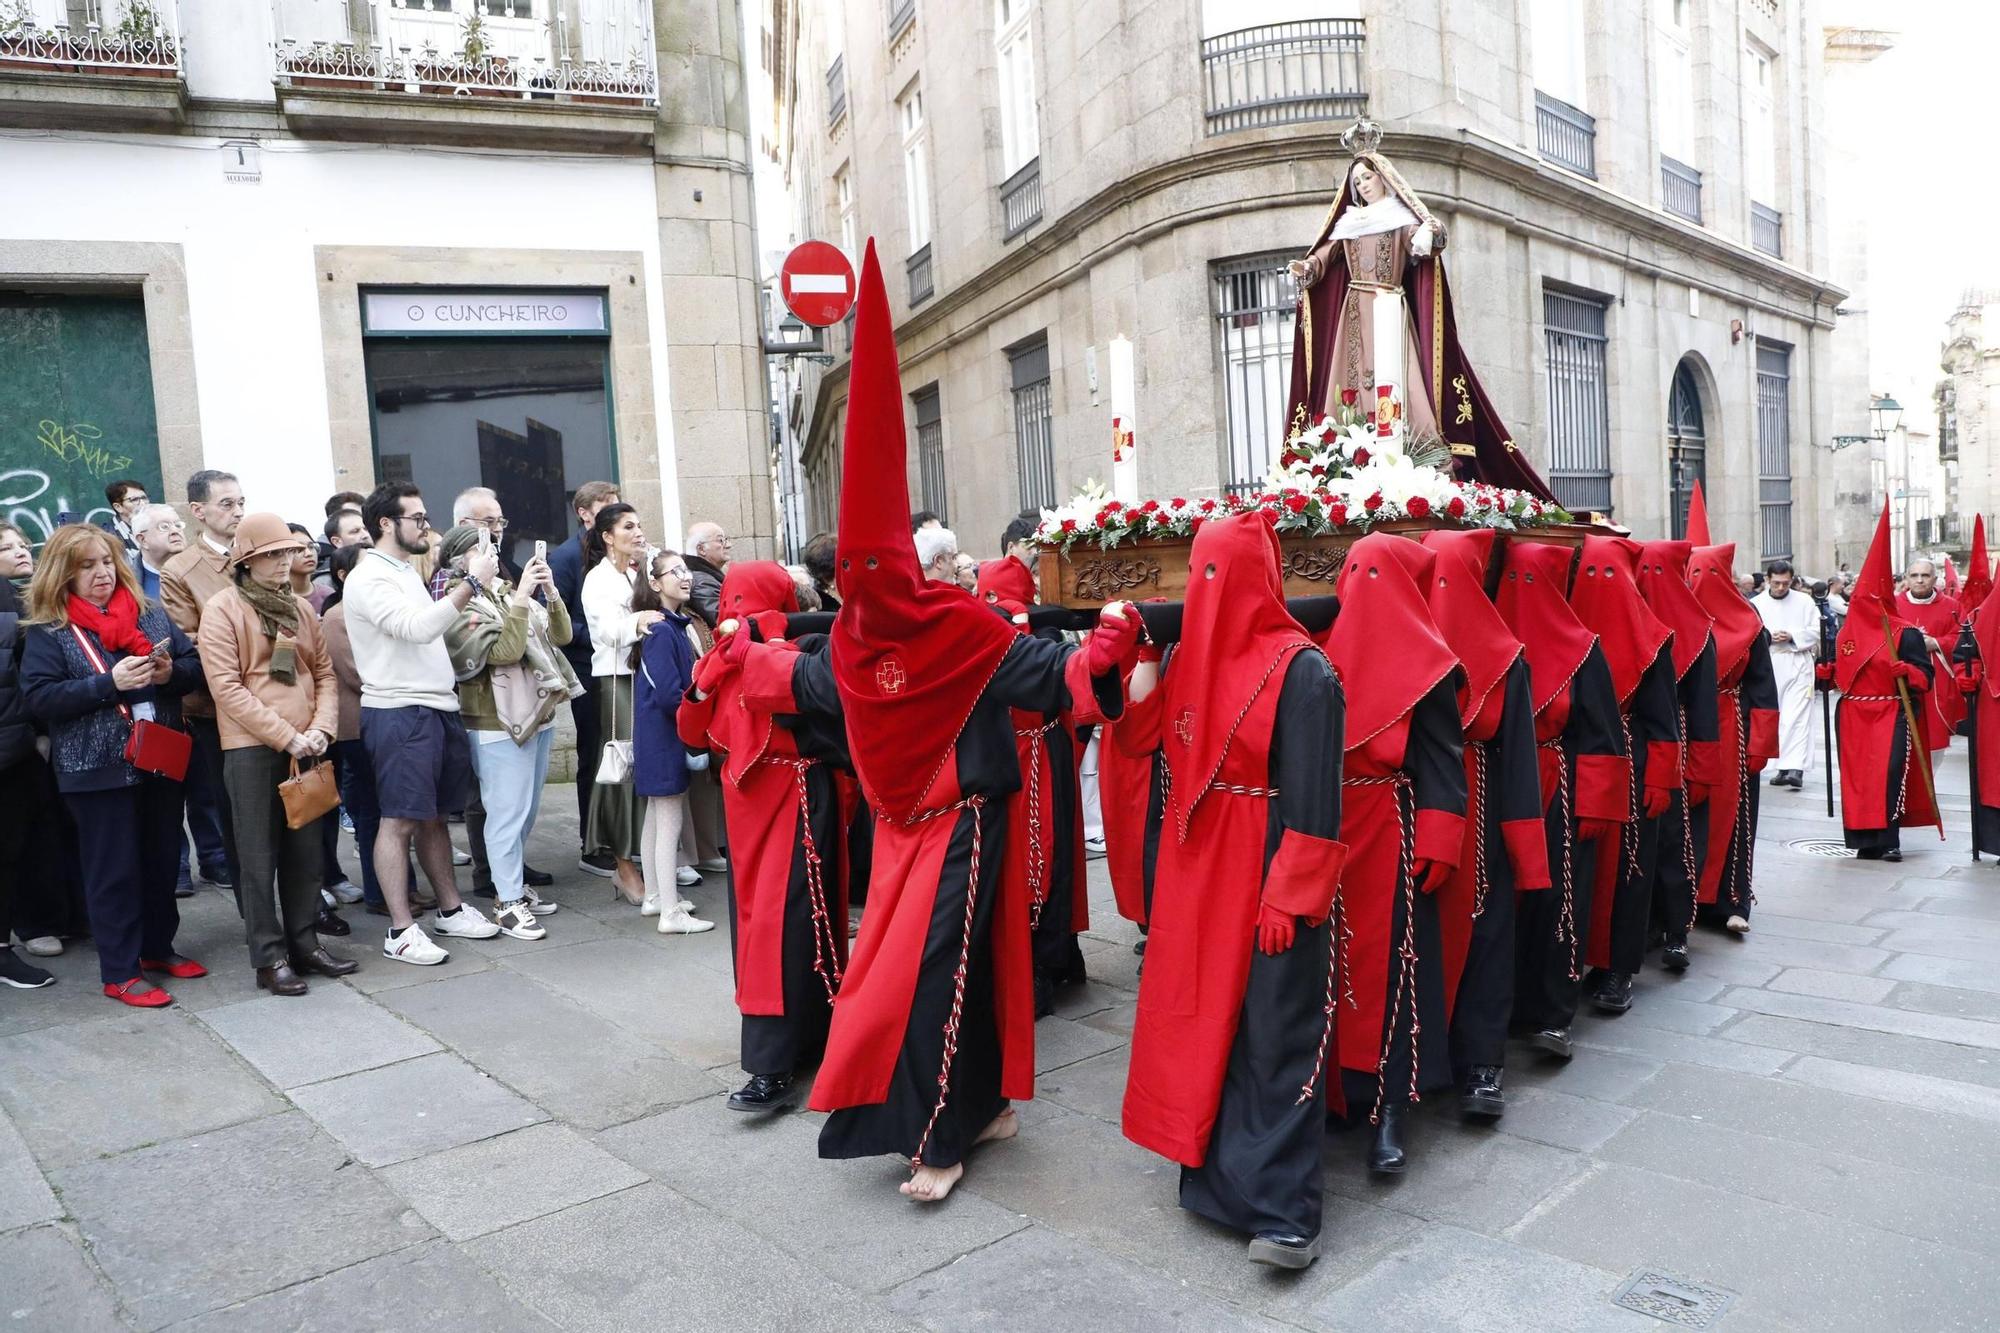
(1361, 458)
(1177, 502)
(1456, 508)
(1296, 503)
(1338, 514)
(1418, 506)
(1349, 397)
(1319, 469)
(1069, 525)
(1373, 502)
(1208, 506)
(1149, 506)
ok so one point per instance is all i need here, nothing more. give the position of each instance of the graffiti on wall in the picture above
(27, 501)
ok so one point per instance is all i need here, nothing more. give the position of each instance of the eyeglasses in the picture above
(421, 520)
(490, 524)
(165, 525)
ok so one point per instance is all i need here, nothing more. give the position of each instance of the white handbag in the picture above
(614, 765)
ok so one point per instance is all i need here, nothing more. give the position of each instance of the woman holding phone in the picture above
(98, 661)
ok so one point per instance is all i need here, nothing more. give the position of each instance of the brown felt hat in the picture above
(259, 533)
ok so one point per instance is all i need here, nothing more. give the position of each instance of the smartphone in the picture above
(485, 540)
(541, 550)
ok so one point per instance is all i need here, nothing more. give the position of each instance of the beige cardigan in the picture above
(250, 707)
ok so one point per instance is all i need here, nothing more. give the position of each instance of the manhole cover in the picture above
(1674, 1300)
(1835, 851)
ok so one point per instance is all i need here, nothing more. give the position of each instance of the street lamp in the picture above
(1884, 415)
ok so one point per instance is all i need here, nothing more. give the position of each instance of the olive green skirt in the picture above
(617, 810)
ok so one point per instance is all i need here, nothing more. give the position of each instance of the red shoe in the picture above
(146, 999)
(184, 969)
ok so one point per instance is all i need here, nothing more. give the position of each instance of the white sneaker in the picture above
(345, 891)
(43, 946)
(459, 858)
(687, 877)
(413, 946)
(651, 905)
(712, 863)
(468, 922)
(516, 920)
(680, 923)
(687, 904)
(539, 905)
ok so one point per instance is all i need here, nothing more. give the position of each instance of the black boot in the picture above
(1613, 994)
(763, 1094)
(1385, 1155)
(1483, 1097)
(1674, 958)
(1555, 1041)
(1282, 1249)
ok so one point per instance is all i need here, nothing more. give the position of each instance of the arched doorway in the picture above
(1687, 445)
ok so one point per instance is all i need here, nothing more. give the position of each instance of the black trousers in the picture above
(1485, 999)
(589, 745)
(207, 795)
(279, 866)
(128, 837)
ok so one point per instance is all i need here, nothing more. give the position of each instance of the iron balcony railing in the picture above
(902, 13)
(1281, 73)
(1767, 230)
(574, 51)
(134, 38)
(836, 91)
(1021, 200)
(1680, 189)
(1565, 135)
(919, 267)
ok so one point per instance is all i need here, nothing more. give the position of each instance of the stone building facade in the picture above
(1042, 179)
(1967, 402)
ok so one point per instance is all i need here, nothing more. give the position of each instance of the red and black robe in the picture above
(1982, 712)
(1940, 618)
(1677, 878)
(1747, 718)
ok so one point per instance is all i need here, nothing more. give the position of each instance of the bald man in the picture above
(707, 556)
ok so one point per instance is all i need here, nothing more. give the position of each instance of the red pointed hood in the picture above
(1663, 583)
(910, 656)
(1005, 580)
(1384, 643)
(1950, 579)
(1697, 529)
(1472, 628)
(759, 590)
(1236, 639)
(1872, 623)
(1606, 599)
(1978, 570)
(1533, 577)
(1736, 624)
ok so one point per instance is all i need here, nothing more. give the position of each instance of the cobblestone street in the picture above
(534, 1136)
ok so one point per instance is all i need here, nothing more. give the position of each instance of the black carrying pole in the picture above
(1826, 739)
(1162, 619)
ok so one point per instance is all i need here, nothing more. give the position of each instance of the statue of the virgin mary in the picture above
(1375, 333)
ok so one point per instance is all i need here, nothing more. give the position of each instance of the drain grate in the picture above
(1833, 851)
(1674, 1300)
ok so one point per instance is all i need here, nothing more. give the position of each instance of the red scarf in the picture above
(116, 626)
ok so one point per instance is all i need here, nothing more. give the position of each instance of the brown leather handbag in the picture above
(308, 794)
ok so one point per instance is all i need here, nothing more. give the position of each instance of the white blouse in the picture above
(614, 628)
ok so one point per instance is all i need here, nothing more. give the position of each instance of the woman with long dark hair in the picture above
(616, 551)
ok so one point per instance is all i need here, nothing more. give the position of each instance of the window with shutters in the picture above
(1034, 423)
(1255, 309)
(1774, 449)
(1579, 401)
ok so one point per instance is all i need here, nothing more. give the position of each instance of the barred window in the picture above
(1774, 449)
(1034, 423)
(1579, 402)
(1254, 313)
(930, 449)
(1687, 445)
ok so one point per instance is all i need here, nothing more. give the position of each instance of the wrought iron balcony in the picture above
(138, 39)
(1680, 189)
(597, 52)
(836, 91)
(1021, 200)
(1565, 135)
(1767, 230)
(919, 267)
(1281, 73)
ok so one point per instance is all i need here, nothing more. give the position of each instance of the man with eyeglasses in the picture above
(187, 581)
(710, 545)
(410, 728)
(161, 536)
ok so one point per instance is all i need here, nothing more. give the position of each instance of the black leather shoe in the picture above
(1674, 958)
(1483, 1097)
(1614, 992)
(1893, 854)
(763, 1094)
(536, 879)
(281, 980)
(1385, 1154)
(325, 964)
(1281, 1249)
(329, 923)
(1555, 1041)
(1781, 778)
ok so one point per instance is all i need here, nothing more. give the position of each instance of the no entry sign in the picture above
(817, 283)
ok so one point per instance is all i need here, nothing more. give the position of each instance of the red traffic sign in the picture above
(817, 283)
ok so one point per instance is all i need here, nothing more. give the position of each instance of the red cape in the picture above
(1663, 583)
(1533, 579)
(1735, 623)
(1472, 628)
(1383, 611)
(1606, 599)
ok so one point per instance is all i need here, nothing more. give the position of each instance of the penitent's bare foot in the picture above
(1003, 1126)
(930, 1184)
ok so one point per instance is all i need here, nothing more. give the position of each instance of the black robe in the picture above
(1651, 716)
(1684, 829)
(1262, 1172)
(1757, 690)
(1868, 844)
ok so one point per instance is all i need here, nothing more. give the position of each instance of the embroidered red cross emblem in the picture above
(1184, 725)
(889, 676)
(1847, 649)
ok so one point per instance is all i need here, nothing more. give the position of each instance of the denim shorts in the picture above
(422, 761)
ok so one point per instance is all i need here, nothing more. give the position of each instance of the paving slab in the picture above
(25, 1198)
(1459, 1173)
(391, 975)
(1832, 985)
(329, 1031)
(416, 1107)
(1448, 1278)
(1604, 1076)
(1954, 1001)
(203, 1222)
(647, 1259)
(1560, 1120)
(1948, 917)
(657, 993)
(1947, 1096)
(1765, 924)
(106, 1087)
(47, 1284)
(846, 1218)
(481, 1187)
(1943, 972)
(1786, 1264)
(1943, 944)
(1093, 1087)
(1671, 1013)
(1614, 1034)
(1039, 1279)
(1886, 1052)
(1060, 1042)
(1873, 1017)
(431, 1287)
(560, 1055)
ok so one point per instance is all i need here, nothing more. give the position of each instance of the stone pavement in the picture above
(533, 1136)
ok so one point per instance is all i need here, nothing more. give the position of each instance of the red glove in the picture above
(1430, 875)
(1657, 801)
(1969, 678)
(1756, 762)
(1114, 644)
(1597, 830)
(1698, 793)
(1276, 929)
(713, 668)
(1913, 674)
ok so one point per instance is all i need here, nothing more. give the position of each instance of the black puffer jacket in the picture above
(17, 728)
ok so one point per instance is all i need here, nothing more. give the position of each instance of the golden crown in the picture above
(1363, 136)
